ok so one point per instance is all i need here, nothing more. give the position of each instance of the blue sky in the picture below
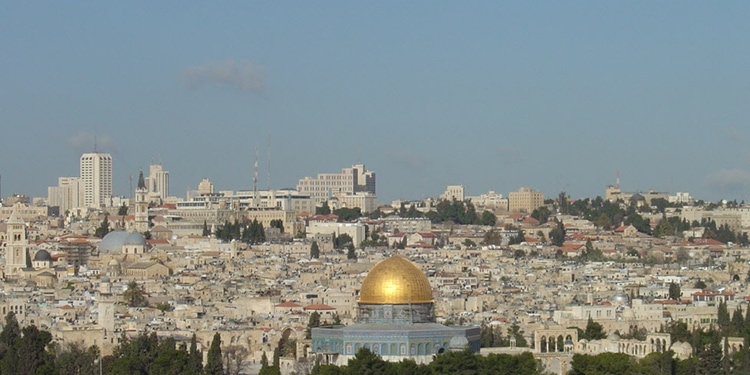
(492, 95)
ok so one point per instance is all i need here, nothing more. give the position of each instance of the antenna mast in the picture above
(269, 161)
(255, 179)
(618, 179)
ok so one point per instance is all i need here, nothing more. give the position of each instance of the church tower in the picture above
(16, 248)
(141, 205)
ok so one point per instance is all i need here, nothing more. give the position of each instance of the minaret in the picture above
(141, 205)
(17, 245)
(106, 312)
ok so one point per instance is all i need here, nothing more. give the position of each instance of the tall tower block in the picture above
(96, 174)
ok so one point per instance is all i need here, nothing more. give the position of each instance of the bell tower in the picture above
(16, 249)
(141, 205)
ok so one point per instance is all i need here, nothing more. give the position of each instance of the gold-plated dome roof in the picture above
(395, 281)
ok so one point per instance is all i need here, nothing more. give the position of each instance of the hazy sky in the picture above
(492, 95)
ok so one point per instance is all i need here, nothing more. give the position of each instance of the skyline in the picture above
(494, 96)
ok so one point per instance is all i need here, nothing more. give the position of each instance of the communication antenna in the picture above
(95, 132)
(617, 185)
(255, 179)
(268, 146)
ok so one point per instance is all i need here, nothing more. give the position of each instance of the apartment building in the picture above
(327, 185)
(96, 174)
(525, 200)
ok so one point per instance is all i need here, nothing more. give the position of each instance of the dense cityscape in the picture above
(323, 278)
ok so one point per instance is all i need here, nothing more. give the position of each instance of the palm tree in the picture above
(135, 296)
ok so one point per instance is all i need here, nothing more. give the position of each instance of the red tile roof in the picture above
(319, 306)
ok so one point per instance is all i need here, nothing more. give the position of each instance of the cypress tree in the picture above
(195, 357)
(214, 365)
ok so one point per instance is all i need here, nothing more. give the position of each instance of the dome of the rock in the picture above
(395, 281)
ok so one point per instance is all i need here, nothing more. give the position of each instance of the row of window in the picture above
(397, 349)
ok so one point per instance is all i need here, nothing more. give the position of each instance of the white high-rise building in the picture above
(158, 183)
(68, 194)
(96, 174)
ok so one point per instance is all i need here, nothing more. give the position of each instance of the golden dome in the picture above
(395, 281)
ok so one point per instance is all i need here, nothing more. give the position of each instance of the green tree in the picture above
(323, 209)
(277, 358)
(351, 253)
(709, 357)
(593, 331)
(195, 357)
(135, 296)
(134, 356)
(488, 219)
(605, 363)
(314, 250)
(10, 333)
(738, 322)
(31, 349)
(557, 235)
(723, 318)
(678, 330)
(263, 361)
(346, 214)
(312, 322)
(366, 362)
(657, 363)
(342, 241)
(122, 211)
(163, 306)
(206, 231)
(103, 228)
(214, 365)
(541, 214)
(519, 238)
(460, 362)
(515, 331)
(278, 224)
(674, 291)
(73, 358)
(169, 360)
(700, 284)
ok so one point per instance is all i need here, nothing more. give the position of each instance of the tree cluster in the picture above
(492, 337)
(278, 224)
(346, 214)
(250, 232)
(30, 351)
(460, 212)
(462, 362)
(557, 235)
(723, 233)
